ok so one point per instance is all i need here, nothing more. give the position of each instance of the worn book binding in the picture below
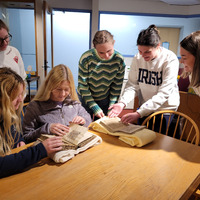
(131, 134)
(76, 138)
(115, 125)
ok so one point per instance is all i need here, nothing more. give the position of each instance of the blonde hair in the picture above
(102, 37)
(9, 86)
(54, 78)
(191, 43)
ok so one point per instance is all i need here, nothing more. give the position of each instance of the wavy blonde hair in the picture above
(10, 82)
(54, 78)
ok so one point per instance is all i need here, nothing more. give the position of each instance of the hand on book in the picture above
(53, 144)
(100, 114)
(130, 117)
(78, 120)
(59, 129)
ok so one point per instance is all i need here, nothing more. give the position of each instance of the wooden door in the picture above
(170, 36)
(48, 38)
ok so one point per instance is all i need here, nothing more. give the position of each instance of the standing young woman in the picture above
(10, 56)
(101, 73)
(152, 77)
(12, 89)
(190, 57)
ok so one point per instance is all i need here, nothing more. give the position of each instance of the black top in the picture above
(14, 163)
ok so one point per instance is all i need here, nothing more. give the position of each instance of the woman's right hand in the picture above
(115, 109)
(100, 114)
(53, 144)
(59, 129)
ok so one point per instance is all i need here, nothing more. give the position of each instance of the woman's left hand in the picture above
(78, 120)
(20, 144)
(130, 117)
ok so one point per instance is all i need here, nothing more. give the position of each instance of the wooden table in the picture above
(165, 169)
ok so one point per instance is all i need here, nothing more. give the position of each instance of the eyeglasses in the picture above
(7, 39)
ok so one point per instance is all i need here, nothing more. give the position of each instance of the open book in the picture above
(115, 125)
(78, 139)
(131, 134)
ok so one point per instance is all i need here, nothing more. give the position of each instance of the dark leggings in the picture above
(157, 122)
(103, 104)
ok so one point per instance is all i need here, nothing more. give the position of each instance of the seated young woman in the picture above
(12, 89)
(54, 106)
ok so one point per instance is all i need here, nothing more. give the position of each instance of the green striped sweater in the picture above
(99, 79)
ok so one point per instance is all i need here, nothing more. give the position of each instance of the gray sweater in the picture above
(40, 114)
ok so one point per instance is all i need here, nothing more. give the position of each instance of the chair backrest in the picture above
(179, 125)
(190, 105)
(24, 107)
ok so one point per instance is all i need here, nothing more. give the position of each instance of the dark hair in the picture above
(149, 37)
(191, 43)
(3, 25)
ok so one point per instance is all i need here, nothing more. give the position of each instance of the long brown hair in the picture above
(191, 43)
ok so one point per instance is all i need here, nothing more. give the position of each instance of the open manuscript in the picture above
(77, 140)
(131, 134)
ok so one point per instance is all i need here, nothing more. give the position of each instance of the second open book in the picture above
(131, 134)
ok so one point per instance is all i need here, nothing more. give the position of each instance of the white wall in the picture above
(138, 6)
(141, 6)
(2, 12)
(125, 6)
(71, 4)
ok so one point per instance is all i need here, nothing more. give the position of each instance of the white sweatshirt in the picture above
(11, 58)
(154, 82)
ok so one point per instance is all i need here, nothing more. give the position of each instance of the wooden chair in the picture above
(182, 125)
(190, 105)
(196, 194)
(24, 107)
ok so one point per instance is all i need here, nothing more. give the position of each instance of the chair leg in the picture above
(196, 194)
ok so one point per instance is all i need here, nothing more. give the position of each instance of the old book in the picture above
(77, 140)
(115, 125)
(77, 137)
(131, 134)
